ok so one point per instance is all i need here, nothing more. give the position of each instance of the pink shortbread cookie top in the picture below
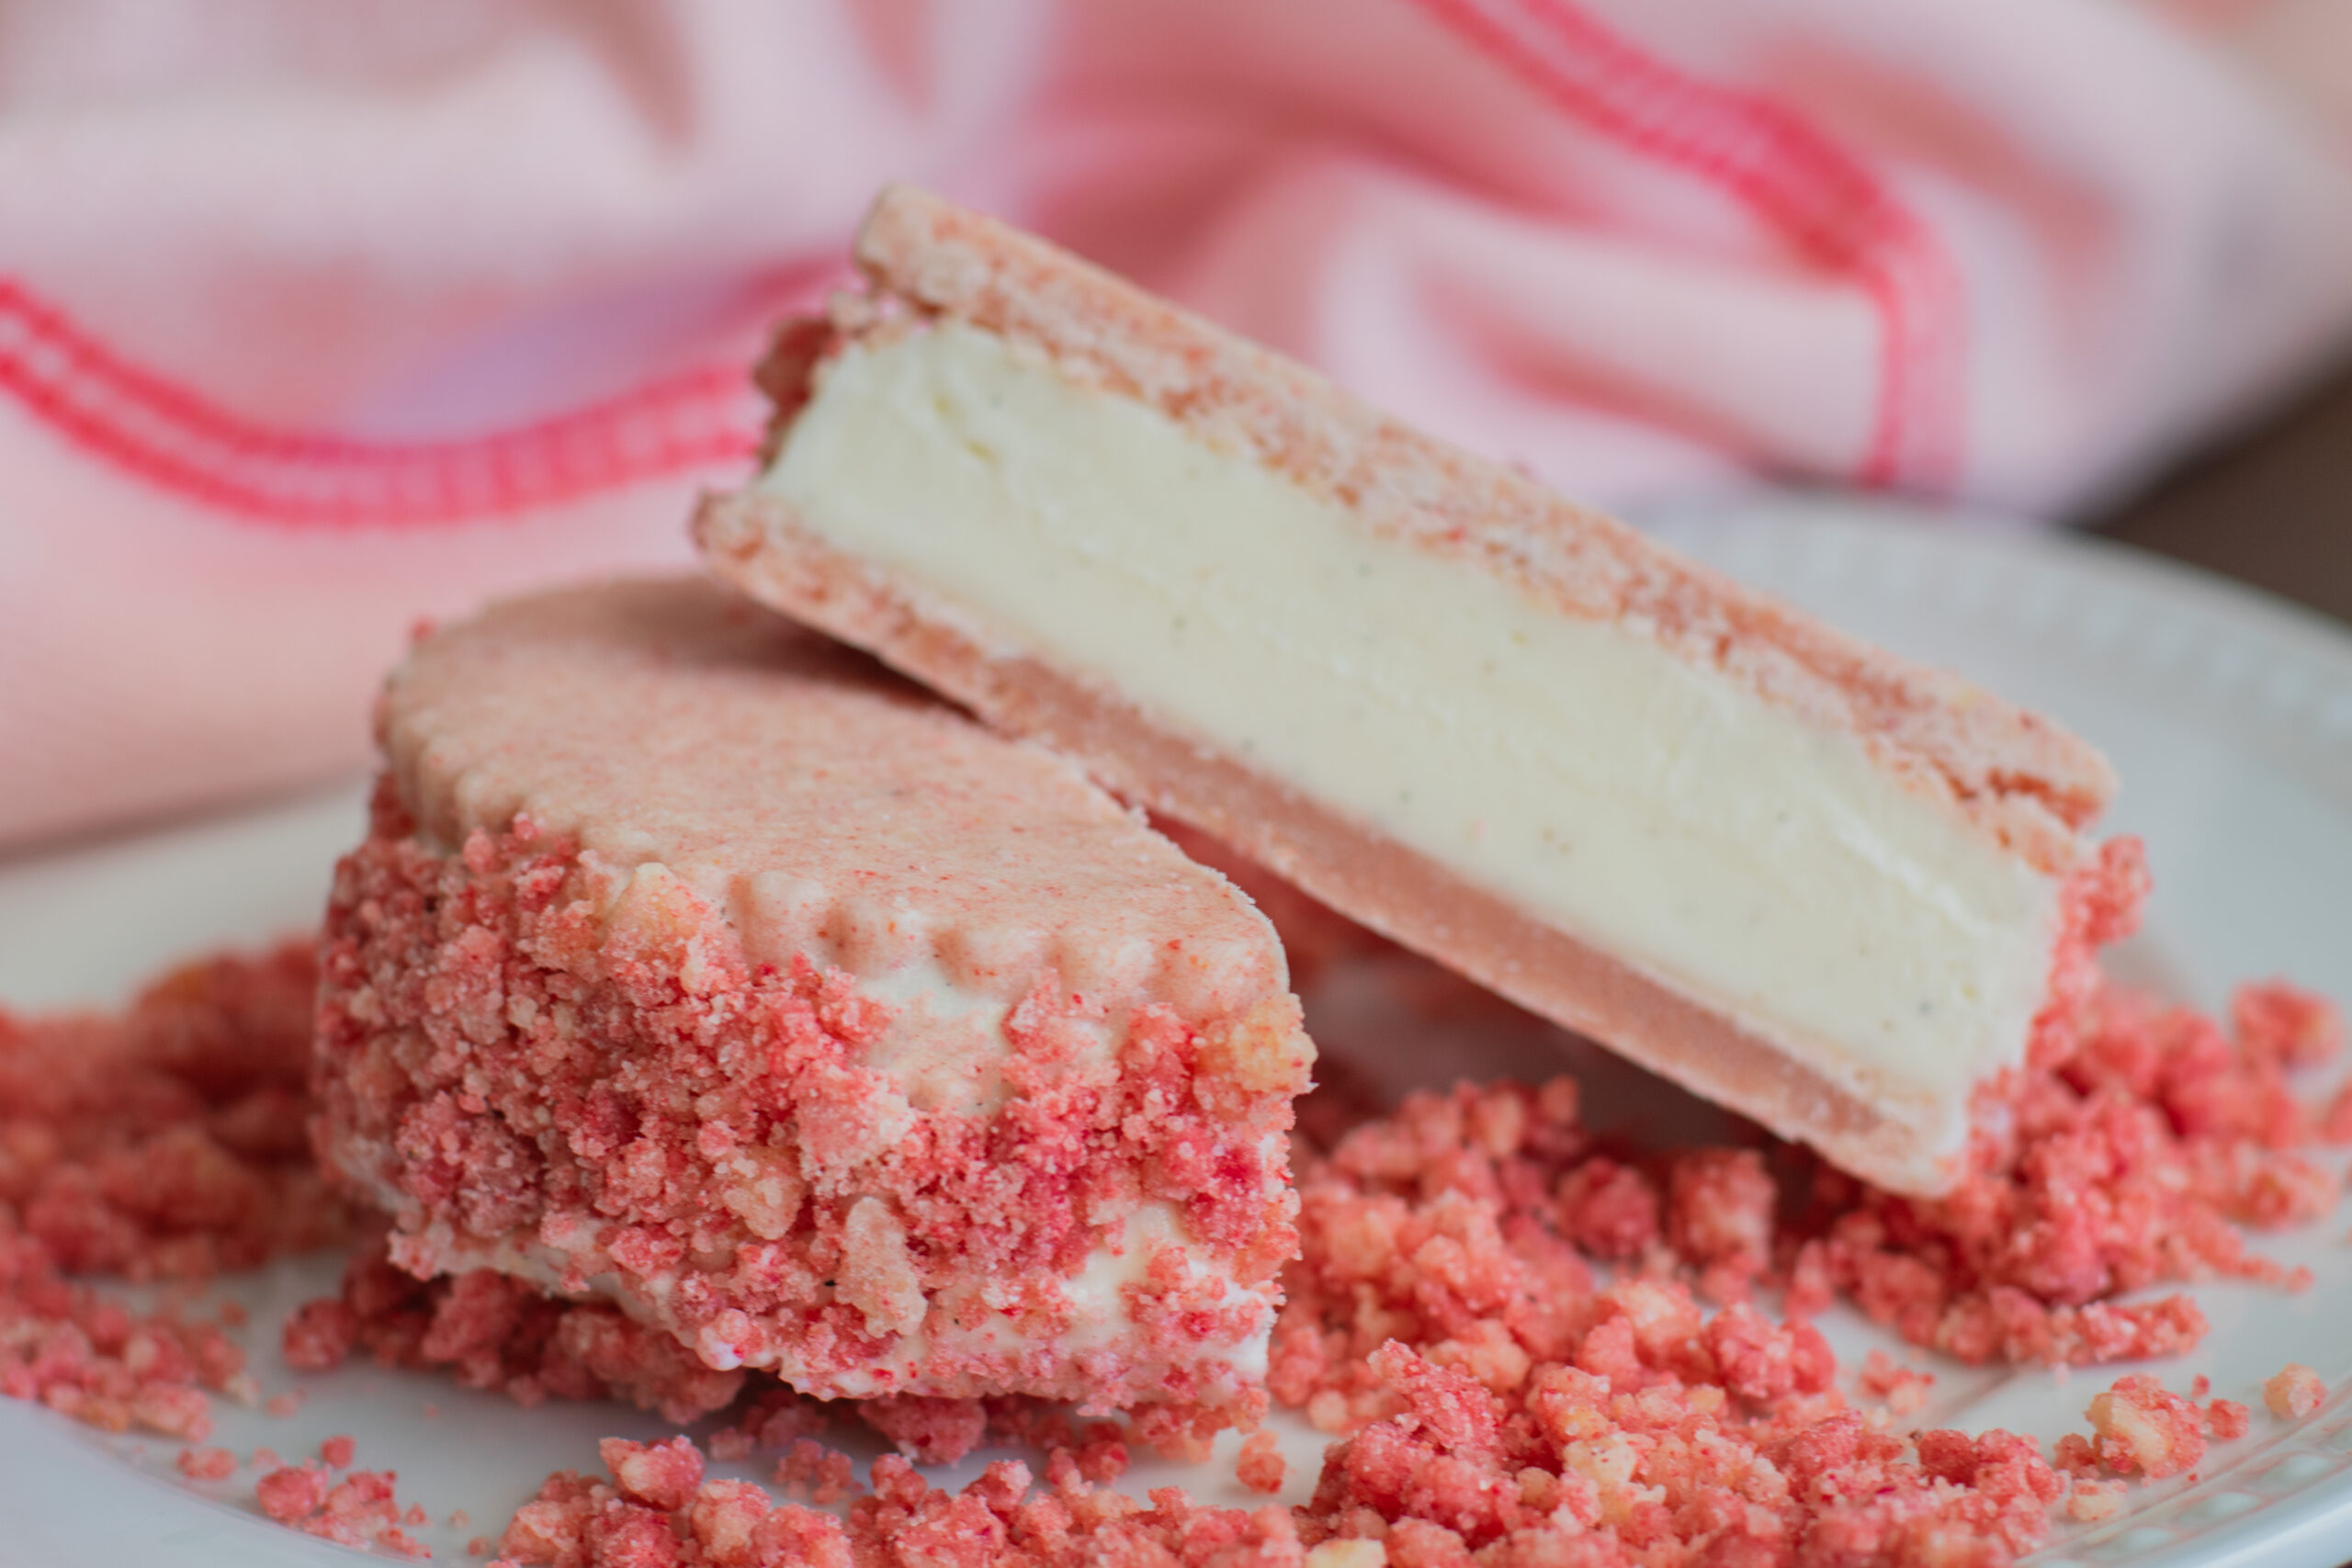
(826, 807)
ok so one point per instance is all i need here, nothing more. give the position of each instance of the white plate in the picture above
(2231, 719)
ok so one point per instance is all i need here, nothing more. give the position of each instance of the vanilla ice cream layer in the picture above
(1765, 866)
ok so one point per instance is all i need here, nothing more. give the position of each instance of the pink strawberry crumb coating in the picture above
(694, 966)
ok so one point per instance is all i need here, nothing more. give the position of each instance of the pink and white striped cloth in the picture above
(317, 320)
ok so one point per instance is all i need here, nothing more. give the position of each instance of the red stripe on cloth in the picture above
(1824, 199)
(173, 437)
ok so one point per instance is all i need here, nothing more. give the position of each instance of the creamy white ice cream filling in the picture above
(1761, 864)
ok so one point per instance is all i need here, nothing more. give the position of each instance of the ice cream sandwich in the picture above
(1826, 887)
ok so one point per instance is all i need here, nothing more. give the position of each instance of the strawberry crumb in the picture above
(660, 1475)
(2226, 1420)
(928, 1431)
(2138, 1427)
(2335, 1122)
(2091, 1501)
(2286, 1026)
(337, 1451)
(1905, 1389)
(1100, 1459)
(291, 1494)
(2293, 1393)
(499, 1332)
(283, 1405)
(358, 1510)
(1259, 1466)
(206, 1463)
(1095, 1451)
(1445, 1302)
(771, 1419)
(168, 1142)
(812, 1472)
(1003, 1518)
(165, 1144)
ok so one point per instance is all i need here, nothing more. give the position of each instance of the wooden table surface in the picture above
(2272, 508)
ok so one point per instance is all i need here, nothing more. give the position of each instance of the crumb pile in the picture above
(496, 1332)
(2138, 1426)
(357, 1510)
(1502, 1318)
(1465, 1224)
(1859, 1495)
(2147, 1134)
(658, 1511)
(168, 1142)
(1499, 1404)
(162, 1145)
